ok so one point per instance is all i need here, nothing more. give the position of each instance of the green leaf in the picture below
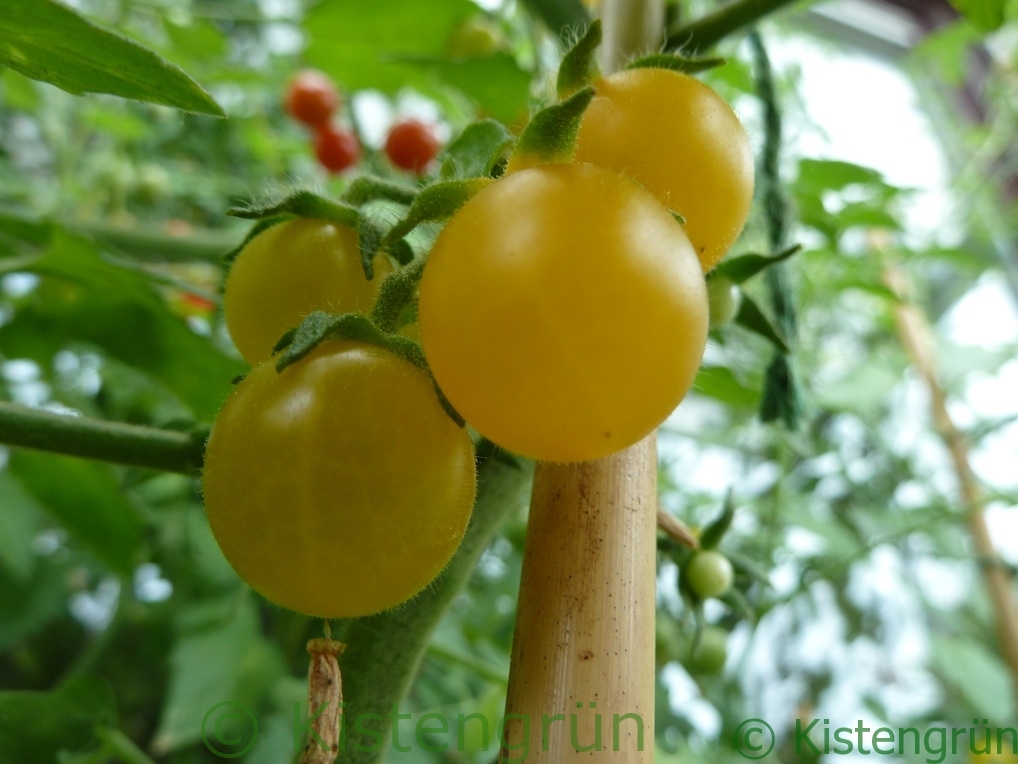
(562, 17)
(47, 41)
(495, 83)
(217, 654)
(751, 317)
(740, 269)
(985, 15)
(397, 44)
(36, 726)
(716, 529)
(977, 674)
(719, 383)
(19, 524)
(477, 150)
(85, 298)
(822, 174)
(85, 497)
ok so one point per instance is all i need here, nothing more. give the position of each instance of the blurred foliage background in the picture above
(859, 591)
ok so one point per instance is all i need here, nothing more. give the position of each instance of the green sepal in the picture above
(741, 269)
(551, 135)
(303, 204)
(369, 188)
(435, 202)
(261, 225)
(717, 528)
(477, 150)
(674, 63)
(751, 317)
(353, 327)
(401, 251)
(370, 235)
(398, 291)
(579, 66)
(320, 327)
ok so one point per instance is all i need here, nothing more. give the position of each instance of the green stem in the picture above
(152, 245)
(385, 650)
(708, 30)
(135, 445)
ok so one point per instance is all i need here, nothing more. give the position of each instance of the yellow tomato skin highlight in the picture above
(338, 487)
(563, 312)
(289, 271)
(679, 139)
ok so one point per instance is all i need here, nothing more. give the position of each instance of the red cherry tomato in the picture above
(411, 145)
(311, 97)
(336, 149)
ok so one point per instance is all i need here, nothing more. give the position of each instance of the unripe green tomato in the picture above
(724, 298)
(710, 655)
(476, 37)
(152, 184)
(670, 644)
(709, 574)
(289, 271)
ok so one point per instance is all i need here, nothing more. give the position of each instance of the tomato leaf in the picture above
(86, 499)
(48, 41)
(477, 150)
(579, 66)
(35, 727)
(751, 317)
(985, 15)
(676, 63)
(740, 269)
(560, 16)
(719, 383)
(303, 204)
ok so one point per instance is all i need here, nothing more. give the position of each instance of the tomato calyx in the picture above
(676, 63)
(320, 327)
(302, 204)
(579, 66)
(435, 202)
(478, 151)
(550, 136)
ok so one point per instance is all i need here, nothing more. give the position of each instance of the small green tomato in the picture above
(725, 299)
(709, 574)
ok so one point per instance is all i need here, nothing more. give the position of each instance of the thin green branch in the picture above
(130, 444)
(708, 30)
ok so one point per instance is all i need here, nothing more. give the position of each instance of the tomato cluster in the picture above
(562, 311)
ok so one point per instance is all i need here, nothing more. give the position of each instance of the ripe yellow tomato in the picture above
(563, 312)
(679, 139)
(288, 271)
(338, 487)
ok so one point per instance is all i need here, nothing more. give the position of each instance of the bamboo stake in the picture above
(914, 331)
(583, 650)
(582, 672)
